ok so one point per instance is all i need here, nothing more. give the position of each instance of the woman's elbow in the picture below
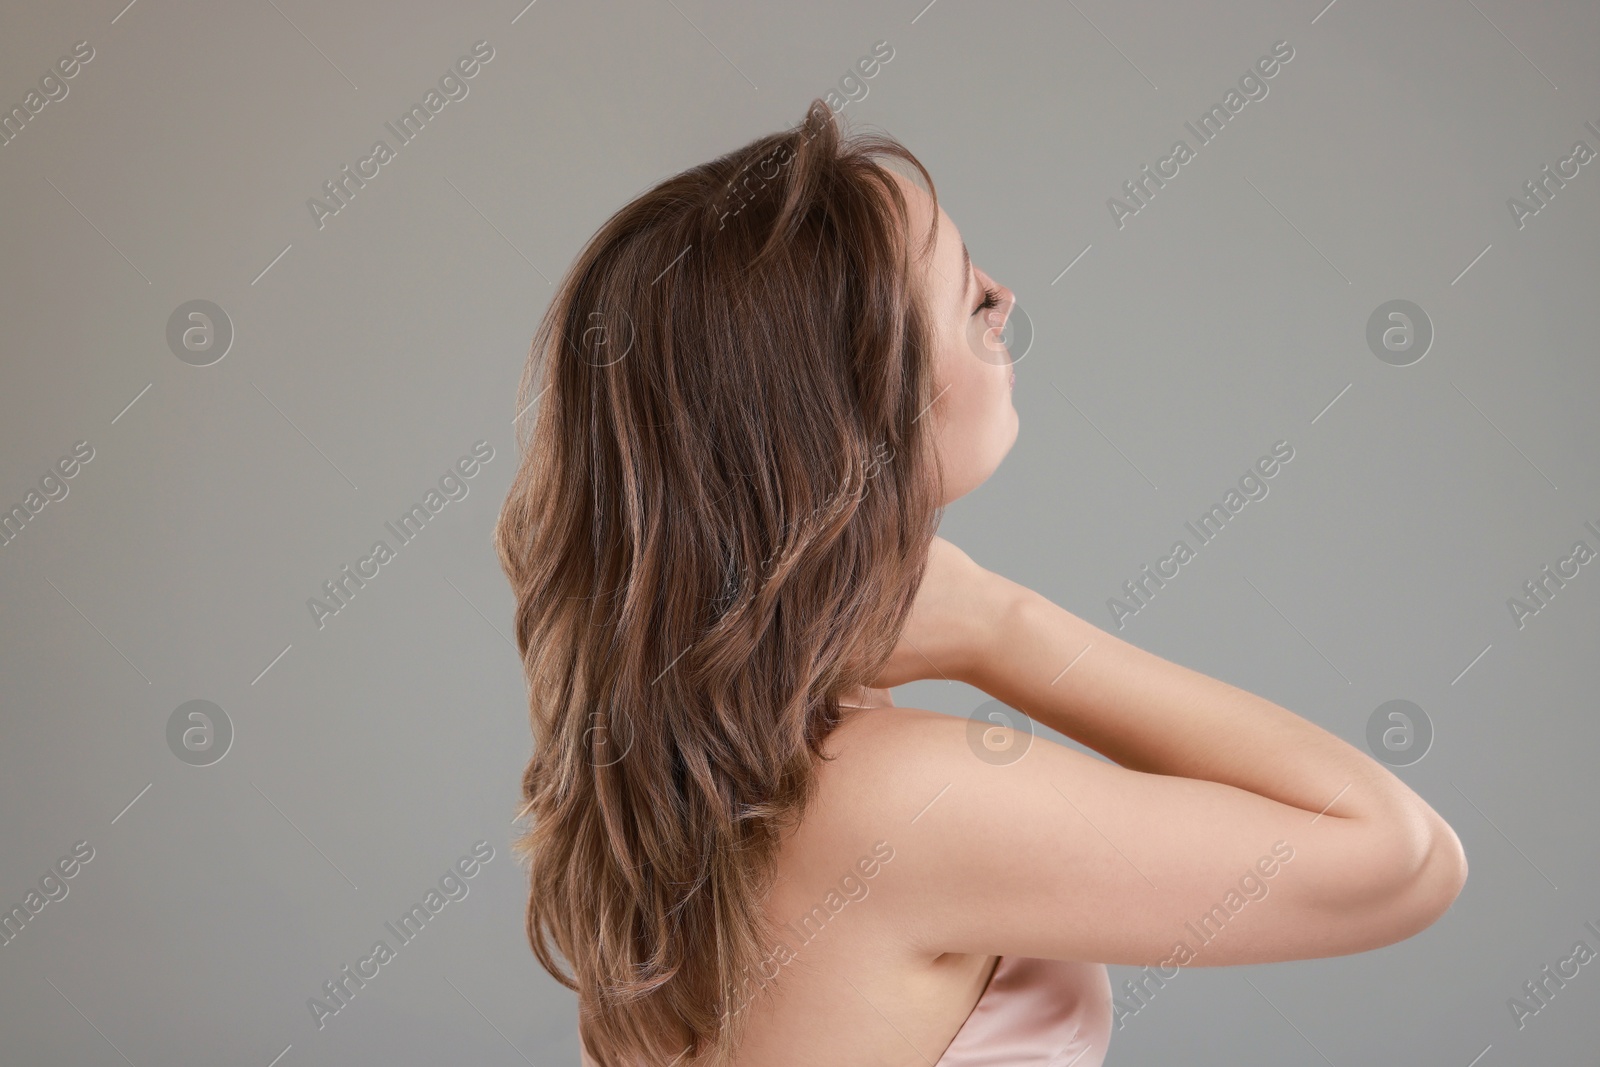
(1448, 876)
(1433, 883)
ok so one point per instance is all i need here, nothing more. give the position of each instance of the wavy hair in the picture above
(720, 519)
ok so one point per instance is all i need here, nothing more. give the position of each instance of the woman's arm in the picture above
(1222, 810)
(1150, 714)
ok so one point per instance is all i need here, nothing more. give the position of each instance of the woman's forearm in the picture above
(1150, 714)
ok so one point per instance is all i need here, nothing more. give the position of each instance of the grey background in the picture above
(1230, 313)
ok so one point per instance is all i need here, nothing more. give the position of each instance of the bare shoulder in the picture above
(890, 764)
(880, 752)
(905, 787)
(880, 761)
(883, 765)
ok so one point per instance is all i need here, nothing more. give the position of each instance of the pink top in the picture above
(1036, 1013)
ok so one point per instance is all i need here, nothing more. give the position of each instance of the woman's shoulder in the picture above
(864, 730)
(877, 761)
(877, 754)
(894, 746)
(884, 766)
(983, 831)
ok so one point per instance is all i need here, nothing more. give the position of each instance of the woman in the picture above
(760, 383)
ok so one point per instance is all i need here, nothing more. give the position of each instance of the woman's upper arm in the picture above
(1061, 855)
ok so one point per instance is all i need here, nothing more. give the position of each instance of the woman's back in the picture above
(847, 988)
(849, 983)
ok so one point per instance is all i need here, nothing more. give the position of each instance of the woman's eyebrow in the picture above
(966, 270)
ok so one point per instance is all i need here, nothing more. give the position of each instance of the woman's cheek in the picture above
(988, 346)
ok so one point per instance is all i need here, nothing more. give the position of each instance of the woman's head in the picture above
(757, 385)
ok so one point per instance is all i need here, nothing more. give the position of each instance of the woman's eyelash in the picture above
(991, 299)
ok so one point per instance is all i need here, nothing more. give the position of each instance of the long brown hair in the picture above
(720, 519)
